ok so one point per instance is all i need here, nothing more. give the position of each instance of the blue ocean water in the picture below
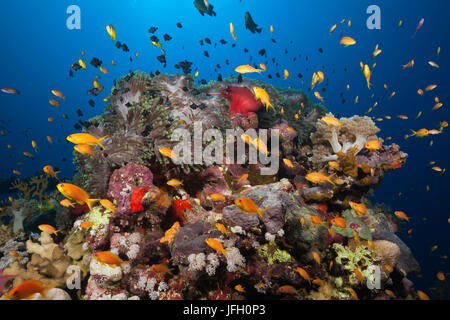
(38, 50)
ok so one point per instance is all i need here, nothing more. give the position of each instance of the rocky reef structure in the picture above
(292, 249)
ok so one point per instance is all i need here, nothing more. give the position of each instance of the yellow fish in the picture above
(367, 74)
(247, 205)
(85, 149)
(216, 245)
(168, 153)
(286, 74)
(174, 183)
(75, 193)
(347, 41)
(111, 31)
(333, 27)
(408, 65)
(317, 177)
(58, 94)
(222, 228)
(232, 31)
(332, 121)
(246, 68)
(262, 95)
(85, 138)
(318, 96)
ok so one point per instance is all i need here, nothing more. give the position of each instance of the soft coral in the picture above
(241, 100)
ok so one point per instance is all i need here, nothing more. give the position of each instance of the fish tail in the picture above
(44, 290)
(101, 139)
(90, 201)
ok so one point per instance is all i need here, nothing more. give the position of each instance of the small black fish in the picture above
(118, 45)
(207, 40)
(96, 62)
(227, 62)
(79, 113)
(77, 126)
(219, 77)
(162, 59)
(222, 41)
(186, 66)
(201, 42)
(76, 67)
(277, 75)
(202, 106)
(345, 69)
(91, 103)
(240, 78)
(94, 91)
(341, 95)
(179, 25)
(203, 81)
(193, 106)
(343, 101)
(320, 50)
(125, 47)
(262, 52)
(245, 50)
(206, 54)
(154, 38)
(152, 29)
(70, 73)
(273, 40)
(269, 76)
(64, 159)
(250, 24)
(202, 8)
(300, 75)
(233, 45)
(285, 51)
(218, 66)
(167, 37)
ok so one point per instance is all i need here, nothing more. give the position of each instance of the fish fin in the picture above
(90, 201)
(44, 290)
(101, 139)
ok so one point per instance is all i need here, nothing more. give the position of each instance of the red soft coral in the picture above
(241, 100)
(136, 198)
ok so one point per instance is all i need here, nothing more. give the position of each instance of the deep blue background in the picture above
(38, 49)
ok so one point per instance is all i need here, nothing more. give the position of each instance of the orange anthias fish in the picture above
(85, 149)
(66, 203)
(358, 207)
(315, 220)
(373, 145)
(317, 177)
(86, 224)
(239, 288)
(50, 172)
(353, 294)
(408, 65)
(243, 178)
(347, 41)
(28, 289)
(401, 215)
(287, 289)
(248, 206)
(359, 275)
(339, 222)
(222, 229)
(58, 94)
(316, 257)
(440, 275)
(85, 138)
(108, 205)
(246, 68)
(216, 245)
(161, 269)
(422, 295)
(169, 235)
(48, 228)
(332, 121)
(109, 258)
(168, 153)
(390, 293)
(302, 272)
(75, 193)
(217, 197)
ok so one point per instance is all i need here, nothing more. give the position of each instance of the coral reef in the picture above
(191, 239)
